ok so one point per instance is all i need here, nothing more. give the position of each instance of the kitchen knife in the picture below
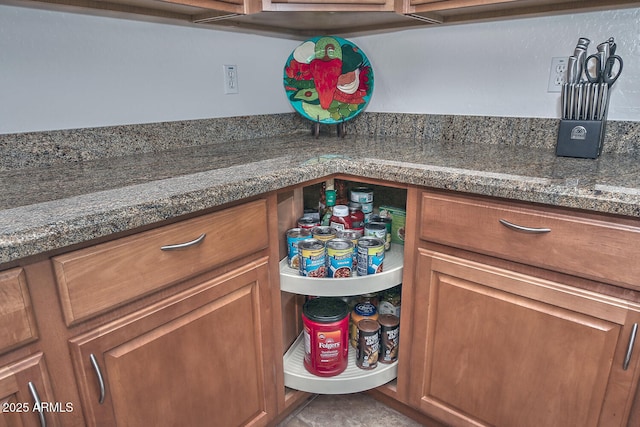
(581, 54)
(563, 101)
(594, 101)
(572, 70)
(604, 98)
(579, 97)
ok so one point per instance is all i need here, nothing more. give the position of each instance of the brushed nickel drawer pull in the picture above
(98, 372)
(36, 398)
(632, 340)
(522, 228)
(184, 245)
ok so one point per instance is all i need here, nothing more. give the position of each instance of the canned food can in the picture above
(376, 229)
(326, 348)
(390, 301)
(294, 236)
(367, 210)
(387, 224)
(353, 236)
(323, 233)
(339, 258)
(389, 338)
(370, 255)
(362, 310)
(311, 254)
(362, 195)
(308, 222)
(367, 351)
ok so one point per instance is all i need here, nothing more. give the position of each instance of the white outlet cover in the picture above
(557, 74)
(230, 79)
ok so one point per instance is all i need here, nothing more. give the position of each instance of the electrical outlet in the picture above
(557, 74)
(230, 79)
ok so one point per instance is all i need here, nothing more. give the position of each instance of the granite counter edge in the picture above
(43, 231)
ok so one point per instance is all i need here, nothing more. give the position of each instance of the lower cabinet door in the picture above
(498, 348)
(26, 398)
(196, 359)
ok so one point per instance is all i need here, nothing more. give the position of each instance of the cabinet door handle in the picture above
(98, 372)
(36, 398)
(632, 340)
(522, 228)
(184, 245)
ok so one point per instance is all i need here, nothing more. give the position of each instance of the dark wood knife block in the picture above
(580, 138)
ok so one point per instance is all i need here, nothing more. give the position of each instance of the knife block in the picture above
(580, 138)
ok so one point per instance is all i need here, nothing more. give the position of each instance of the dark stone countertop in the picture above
(45, 209)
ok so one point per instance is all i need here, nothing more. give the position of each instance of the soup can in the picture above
(370, 255)
(323, 233)
(326, 322)
(367, 351)
(389, 338)
(294, 236)
(353, 236)
(308, 222)
(339, 258)
(376, 229)
(362, 195)
(387, 223)
(311, 253)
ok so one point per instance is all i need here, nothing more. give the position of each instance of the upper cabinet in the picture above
(304, 18)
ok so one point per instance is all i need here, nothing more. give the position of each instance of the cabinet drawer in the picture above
(17, 322)
(99, 278)
(585, 247)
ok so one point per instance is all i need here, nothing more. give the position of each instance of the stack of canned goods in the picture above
(326, 252)
(375, 336)
(363, 196)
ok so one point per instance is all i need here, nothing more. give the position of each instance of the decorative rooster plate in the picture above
(328, 79)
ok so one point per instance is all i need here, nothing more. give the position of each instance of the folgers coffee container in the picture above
(370, 255)
(361, 311)
(339, 258)
(389, 338)
(367, 352)
(294, 236)
(311, 255)
(326, 336)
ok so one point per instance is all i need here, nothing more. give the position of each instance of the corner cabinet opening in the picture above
(295, 288)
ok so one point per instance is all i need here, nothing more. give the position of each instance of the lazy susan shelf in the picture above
(291, 281)
(352, 380)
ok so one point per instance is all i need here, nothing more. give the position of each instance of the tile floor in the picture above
(346, 410)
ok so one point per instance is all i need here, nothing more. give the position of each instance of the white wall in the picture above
(62, 70)
(498, 68)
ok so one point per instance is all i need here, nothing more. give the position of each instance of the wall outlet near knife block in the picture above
(585, 102)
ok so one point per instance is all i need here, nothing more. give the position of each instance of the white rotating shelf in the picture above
(291, 281)
(352, 380)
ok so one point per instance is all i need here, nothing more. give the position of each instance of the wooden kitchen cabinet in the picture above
(331, 6)
(26, 398)
(24, 380)
(495, 343)
(502, 349)
(200, 358)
